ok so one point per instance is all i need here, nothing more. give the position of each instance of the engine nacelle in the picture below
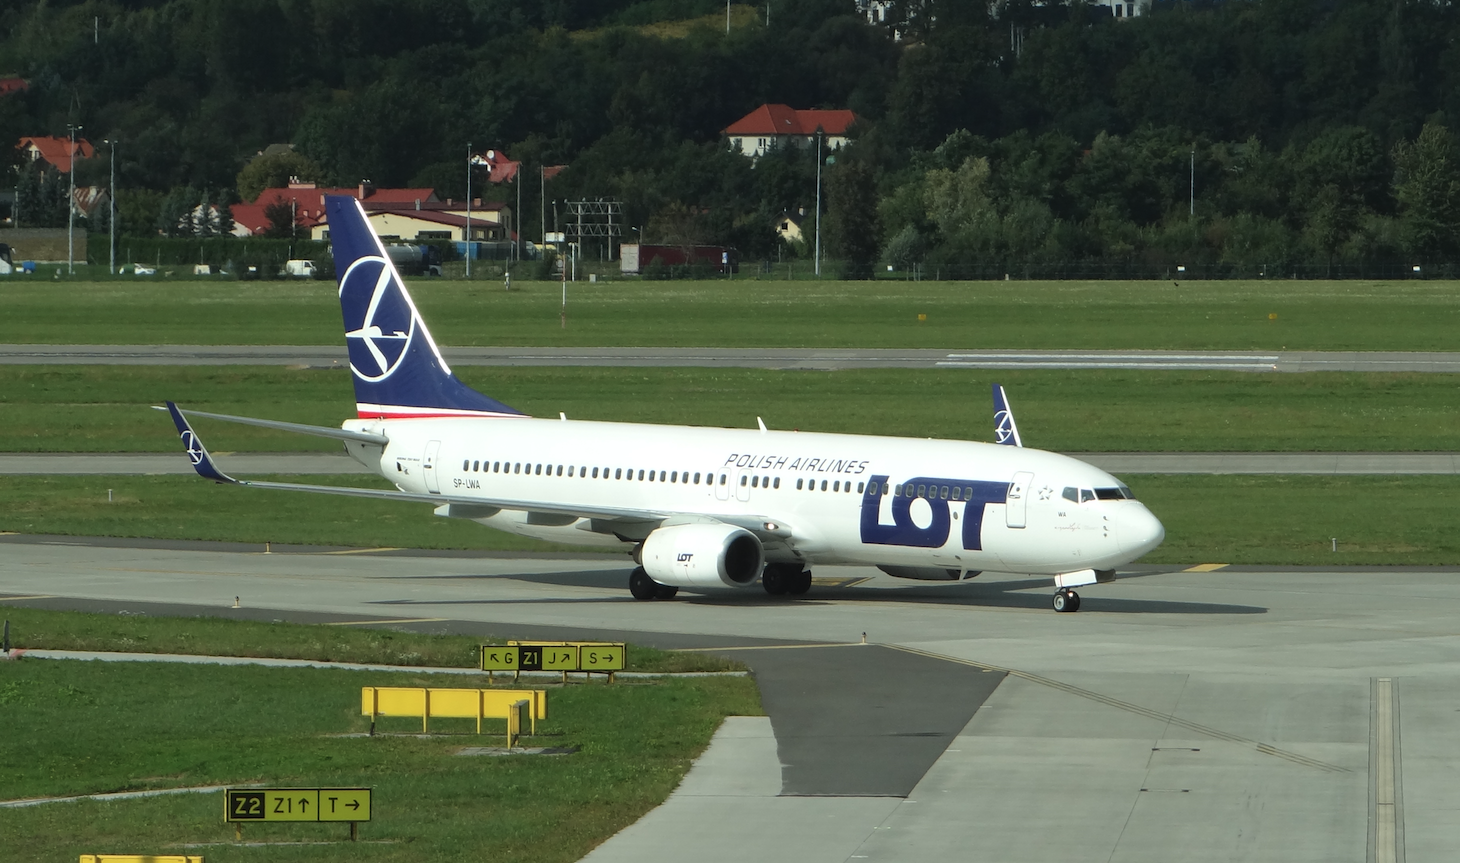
(702, 555)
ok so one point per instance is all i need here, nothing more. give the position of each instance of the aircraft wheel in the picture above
(1075, 601)
(665, 591)
(773, 580)
(641, 585)
(1062, 601)
(798, 584)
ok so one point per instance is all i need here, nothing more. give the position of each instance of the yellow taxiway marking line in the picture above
(361, 550)
(1157, 715)
(1207, 567)
(8, 533)
(768, 647)
(387, 620)
(839, 582)
(18, 598)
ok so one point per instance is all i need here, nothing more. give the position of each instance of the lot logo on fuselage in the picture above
(379, 319)
(904, 531)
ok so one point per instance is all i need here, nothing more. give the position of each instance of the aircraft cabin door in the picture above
(1016, 503)
(722, 485)
(741, 479)
(428, 467)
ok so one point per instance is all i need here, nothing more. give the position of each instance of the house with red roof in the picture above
(396, 214)
(56, 152)
(13, 84)
(770, 127)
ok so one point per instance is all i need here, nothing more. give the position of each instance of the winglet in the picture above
(197, 453)
(1005, 430)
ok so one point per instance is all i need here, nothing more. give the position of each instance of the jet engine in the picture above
(702, 555)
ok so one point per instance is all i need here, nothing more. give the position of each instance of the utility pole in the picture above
(727, 17)
(517, 216)
(71, 206)
(1191, 207)
(542, 204)
(468, 209)
(818, 203)
(111, 211)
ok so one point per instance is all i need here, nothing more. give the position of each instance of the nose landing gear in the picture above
(1066, 600)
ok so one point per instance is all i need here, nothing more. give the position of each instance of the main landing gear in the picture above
(780, 579)
(644, 587)
(1066, 600)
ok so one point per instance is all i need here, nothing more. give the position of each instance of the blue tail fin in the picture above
(398, 370)
(1005, 430)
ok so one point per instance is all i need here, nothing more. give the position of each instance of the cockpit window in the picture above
(1109, 494)
(1071, 494)
(1086, 495)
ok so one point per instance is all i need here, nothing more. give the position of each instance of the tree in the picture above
(276, 172)
(282, 224)
(851, 193)
(41, 197)
(1427, 186)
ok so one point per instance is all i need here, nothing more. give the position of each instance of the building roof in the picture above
(13, 84)
(56, 152)
(769, 120)
(309, 205)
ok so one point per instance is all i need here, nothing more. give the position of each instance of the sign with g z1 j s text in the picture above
(296, 804)
(554, 656)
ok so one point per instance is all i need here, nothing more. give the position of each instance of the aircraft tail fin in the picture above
(398, 371)
(1005, 430)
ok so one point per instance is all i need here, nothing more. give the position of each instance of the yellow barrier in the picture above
(475, 704)
(140, 858)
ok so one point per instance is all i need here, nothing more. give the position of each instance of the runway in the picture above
(1214, 713)
(1119, 464)
(762, 358)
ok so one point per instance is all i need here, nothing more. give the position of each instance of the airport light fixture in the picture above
(111, 204)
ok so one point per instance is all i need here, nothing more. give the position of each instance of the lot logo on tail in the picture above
(193, 446)
(387, 323)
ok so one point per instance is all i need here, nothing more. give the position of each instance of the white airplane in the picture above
(700, 508)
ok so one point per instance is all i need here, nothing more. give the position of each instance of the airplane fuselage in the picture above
(929, 506)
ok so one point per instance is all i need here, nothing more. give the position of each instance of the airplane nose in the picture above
(1137, 530)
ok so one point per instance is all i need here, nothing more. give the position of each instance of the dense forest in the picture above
(1239, 137)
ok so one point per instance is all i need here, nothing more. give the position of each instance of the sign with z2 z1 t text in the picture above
(296, 804)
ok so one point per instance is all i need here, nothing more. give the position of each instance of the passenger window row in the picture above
(836, 485)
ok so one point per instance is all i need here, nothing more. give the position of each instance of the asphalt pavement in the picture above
(327, 356)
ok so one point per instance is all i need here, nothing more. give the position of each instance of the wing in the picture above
(626, 521)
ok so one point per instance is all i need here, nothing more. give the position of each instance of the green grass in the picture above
(1223, 519)
(105, 408)
(1383, 521)
(82, 727)
(1311, 315)
(187, 507)
(40, 629)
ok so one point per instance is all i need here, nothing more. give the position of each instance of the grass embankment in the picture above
(40, 629)
(82, 727)
(1311, 315)
(105, 409)
(1227, 519)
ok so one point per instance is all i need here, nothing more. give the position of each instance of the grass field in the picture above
(40, 629)
(83, 727)
(105, 408)
(1224, 519)
(1311, 315)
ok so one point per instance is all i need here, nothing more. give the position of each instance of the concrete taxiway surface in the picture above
(1352, 463)
(1199, 715)
(762, 358)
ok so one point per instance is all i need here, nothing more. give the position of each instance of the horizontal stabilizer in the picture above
(318, 431)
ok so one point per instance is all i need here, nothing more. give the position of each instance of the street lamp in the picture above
(468, 209)
(71, 205)
(818, 203)
(111, 219)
